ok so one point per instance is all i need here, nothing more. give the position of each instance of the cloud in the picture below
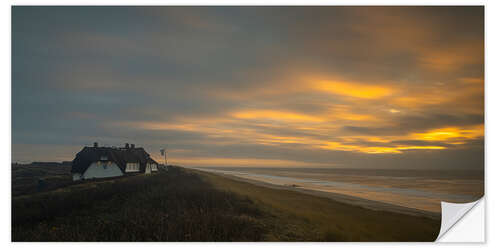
(353, 89)
(361, 87)
(275, 115)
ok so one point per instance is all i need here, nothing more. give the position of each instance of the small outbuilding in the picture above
(103, 162)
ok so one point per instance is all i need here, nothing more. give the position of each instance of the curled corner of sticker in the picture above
(451, 213)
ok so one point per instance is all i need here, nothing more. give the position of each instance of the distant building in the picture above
(103, 162)
(46, 164)
(67, 163)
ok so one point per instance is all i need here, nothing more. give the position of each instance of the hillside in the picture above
(185, 205)
(39, 177)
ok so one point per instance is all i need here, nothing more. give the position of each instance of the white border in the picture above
(461, 231)
(492, 13)
(248, 2)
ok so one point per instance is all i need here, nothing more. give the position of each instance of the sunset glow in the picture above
(348, 87)
(353, 89)
(451, 134)
(276, 115)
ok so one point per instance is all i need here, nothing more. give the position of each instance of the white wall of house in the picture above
(102, 169)
(132, 167)
(148, 168)
(77, 176)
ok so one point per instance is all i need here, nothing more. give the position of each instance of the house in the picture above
(104, 162)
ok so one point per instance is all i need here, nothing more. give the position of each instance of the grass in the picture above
(32, 178)
(186, 205)
(173, 206)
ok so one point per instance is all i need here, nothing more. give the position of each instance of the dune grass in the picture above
(32, 178)
(173, 206)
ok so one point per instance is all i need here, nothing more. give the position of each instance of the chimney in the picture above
(126, 145)
(132, 145)
(96, 145)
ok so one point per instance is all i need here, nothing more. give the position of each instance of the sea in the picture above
(416, 189)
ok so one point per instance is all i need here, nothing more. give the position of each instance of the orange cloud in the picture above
(364, 138)
(276, 115)
(472, 80)
(418, 100)
(344, 112)
(376, 150)
(350, 89)
(452, 58)
(450, 134)
(440, 62)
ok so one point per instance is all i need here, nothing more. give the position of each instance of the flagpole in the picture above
(163, 151)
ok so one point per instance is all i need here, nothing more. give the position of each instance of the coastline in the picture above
(346, 199)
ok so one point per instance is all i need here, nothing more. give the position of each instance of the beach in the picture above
(343, 217)
(400, 191)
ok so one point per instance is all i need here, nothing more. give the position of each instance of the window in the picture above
(132, 167)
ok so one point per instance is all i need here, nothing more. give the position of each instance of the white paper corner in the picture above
(462, 222)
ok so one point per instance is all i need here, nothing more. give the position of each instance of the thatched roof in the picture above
(120, 156)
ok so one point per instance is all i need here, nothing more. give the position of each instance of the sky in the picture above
(333, 87)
